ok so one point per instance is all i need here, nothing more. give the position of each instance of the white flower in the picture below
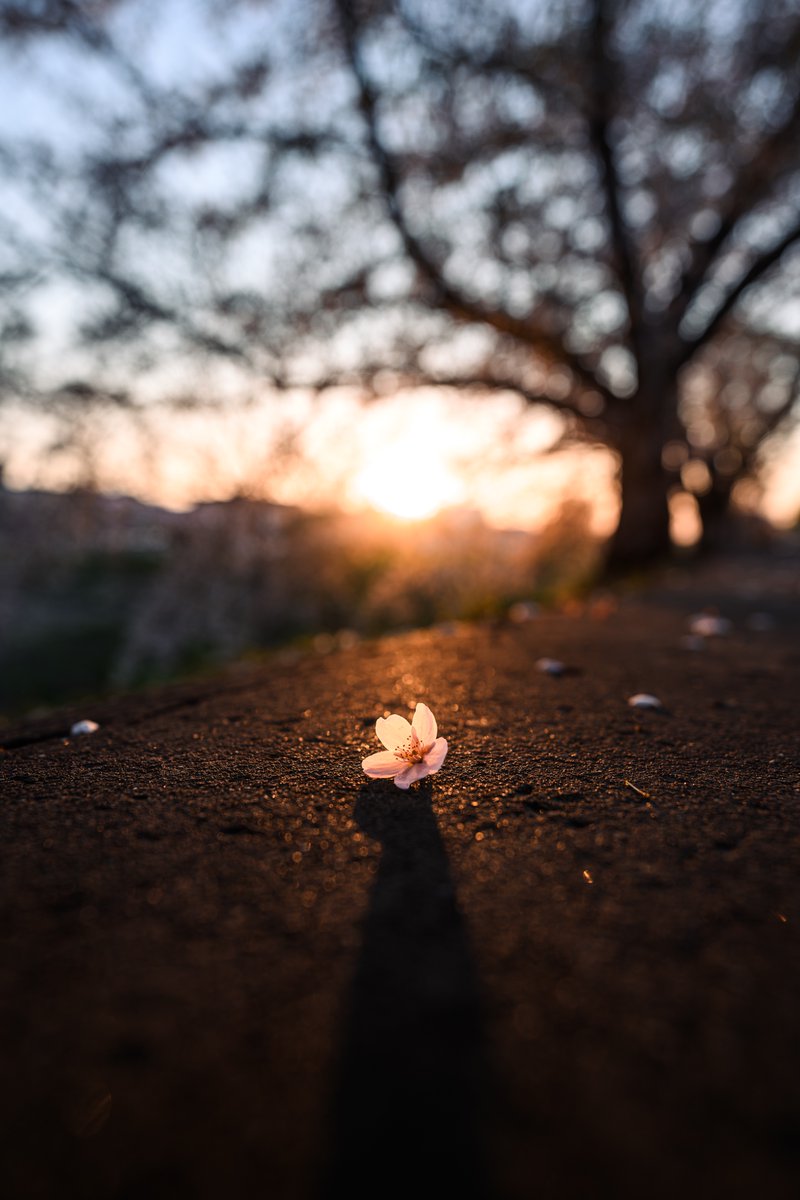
(550, 666)
(83, 727)
(412, 751)
(708, 625)
(644, 700)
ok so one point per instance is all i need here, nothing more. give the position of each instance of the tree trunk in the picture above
(642, 533)
(715, 513)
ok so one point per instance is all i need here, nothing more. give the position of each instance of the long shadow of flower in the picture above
(411, 1081)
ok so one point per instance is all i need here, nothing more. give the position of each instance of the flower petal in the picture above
(644, 700)
(411, 775)
(83, 727)
(435, 756)
(393, 731)
(383, 765)
(424, 724)
(550, 666)
(709, 625)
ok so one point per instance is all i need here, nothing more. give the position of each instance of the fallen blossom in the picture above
(550, 666)
(412, 750)
(83, 727)
(708, 625)
(644, 700)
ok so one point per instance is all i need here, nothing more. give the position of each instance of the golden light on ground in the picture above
(407, 481)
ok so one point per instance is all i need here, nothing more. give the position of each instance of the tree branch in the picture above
(510, 61)
(753, 184)
(758, 268)
(774, 419)
(547, 344)
(140, 305)
(493, 383)
(599, 118)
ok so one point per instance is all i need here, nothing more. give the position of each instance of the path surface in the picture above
(233, 968)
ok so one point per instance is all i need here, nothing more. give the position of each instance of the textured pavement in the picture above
(567, 965)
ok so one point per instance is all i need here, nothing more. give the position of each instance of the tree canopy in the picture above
(593, 204)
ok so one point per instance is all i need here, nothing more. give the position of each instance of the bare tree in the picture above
(594, 204)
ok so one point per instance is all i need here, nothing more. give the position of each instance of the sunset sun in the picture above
(407, 481)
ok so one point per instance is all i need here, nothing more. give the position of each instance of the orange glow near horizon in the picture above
(406, 457)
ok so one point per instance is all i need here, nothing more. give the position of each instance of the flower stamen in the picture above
(411, 750)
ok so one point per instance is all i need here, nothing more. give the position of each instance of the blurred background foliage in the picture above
(104, 593)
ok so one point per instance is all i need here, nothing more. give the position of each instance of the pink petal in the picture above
(411, 775)
(435, 756)
(382, 765)
(393, 731)
(424, 724)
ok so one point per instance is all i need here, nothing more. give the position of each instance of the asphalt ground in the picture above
(567, 965)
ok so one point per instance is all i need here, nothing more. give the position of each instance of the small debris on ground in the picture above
(644, 700)
(710, 625)
(636, 789)
(81, 727)
(550, 666)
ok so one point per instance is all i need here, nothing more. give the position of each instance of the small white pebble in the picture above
(83, 727)
(550, 666)
(644, 700)
(707, 625)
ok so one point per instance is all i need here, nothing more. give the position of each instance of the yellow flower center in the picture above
(411, 750)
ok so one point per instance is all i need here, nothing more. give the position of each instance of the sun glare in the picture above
(407, 481)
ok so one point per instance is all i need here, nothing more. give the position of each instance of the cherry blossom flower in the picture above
(81, 727)
(709, 625)
(644, 700)
(412, 750)
(550, 666)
